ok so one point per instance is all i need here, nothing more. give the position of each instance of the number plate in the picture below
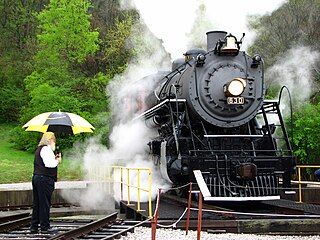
(235, 100)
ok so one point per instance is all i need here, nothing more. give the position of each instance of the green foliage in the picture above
(45, 98)
(12, 99)
(65, 29)
(61, 54)
(17, 47)
(295, 22)
(116, 52)
(18, 25)
(306, 134)
(23, 140)
(65, 40)
(272, 91)
(101, 122)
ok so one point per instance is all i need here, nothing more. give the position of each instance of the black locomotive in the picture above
(211, 116)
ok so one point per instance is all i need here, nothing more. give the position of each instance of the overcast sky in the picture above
(170, 20)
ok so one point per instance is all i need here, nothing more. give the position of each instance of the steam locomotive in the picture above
(211, 115)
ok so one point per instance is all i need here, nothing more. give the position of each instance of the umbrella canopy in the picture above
(58, 122)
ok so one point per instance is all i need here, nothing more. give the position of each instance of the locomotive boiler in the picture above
(211, 115)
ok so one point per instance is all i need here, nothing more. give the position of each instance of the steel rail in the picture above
(124, 231)
(29, 206)
(74, 233)
(13, 217)
(11, 225)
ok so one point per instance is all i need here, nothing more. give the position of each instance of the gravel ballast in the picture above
(143, 233)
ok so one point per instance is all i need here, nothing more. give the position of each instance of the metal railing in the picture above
(299, 178)
(122, 176)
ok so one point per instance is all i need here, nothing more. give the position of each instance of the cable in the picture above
(174, 225)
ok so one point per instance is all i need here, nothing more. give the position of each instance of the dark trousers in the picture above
(317, 174)
(43, 187)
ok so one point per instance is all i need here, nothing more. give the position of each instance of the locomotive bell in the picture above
(230, 46)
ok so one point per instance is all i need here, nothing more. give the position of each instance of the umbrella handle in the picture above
(57, 151)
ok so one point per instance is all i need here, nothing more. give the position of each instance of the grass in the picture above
(17, 166)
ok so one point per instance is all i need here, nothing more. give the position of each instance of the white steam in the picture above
(295, 70)
(197, 37)
(128, 138)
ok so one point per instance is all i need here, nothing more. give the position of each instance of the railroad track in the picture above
(283, 218)
(108, 227)
(28, 207)
(275, 207)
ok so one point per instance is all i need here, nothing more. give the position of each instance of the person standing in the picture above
(43, 180)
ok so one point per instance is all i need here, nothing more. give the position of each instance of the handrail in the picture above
(126, 183)
(299, 178)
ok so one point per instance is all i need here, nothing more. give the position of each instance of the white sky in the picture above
(170, 20)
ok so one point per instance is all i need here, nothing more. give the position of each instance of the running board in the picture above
(157, 107)
(207, 195)
(234, 136)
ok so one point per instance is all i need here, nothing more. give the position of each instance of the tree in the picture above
(65, 30)
(296, 22)
(18, 25)
(72, 63)
(65, 39)
(306, 134)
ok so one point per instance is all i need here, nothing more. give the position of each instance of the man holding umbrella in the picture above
(45, 162)
(44, 176)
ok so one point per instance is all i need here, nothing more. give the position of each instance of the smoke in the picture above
(201, 25)
(128, 138)
(295, 70)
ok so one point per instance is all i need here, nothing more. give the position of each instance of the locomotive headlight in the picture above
(235, 87)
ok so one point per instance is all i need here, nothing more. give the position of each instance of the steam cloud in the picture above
(295, 71)
(129, 138)
(197, 36)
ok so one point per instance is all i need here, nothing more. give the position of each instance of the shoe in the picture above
(49, 231)
(33, 230)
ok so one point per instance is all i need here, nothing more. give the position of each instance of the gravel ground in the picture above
(143, 233)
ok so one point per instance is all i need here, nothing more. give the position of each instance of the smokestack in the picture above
(213, 37)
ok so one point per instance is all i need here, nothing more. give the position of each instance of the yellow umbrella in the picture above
(58, 122)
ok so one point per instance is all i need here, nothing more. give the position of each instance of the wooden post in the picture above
(154, 220)
(199, 217)
(153, 228)
(188, 211)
